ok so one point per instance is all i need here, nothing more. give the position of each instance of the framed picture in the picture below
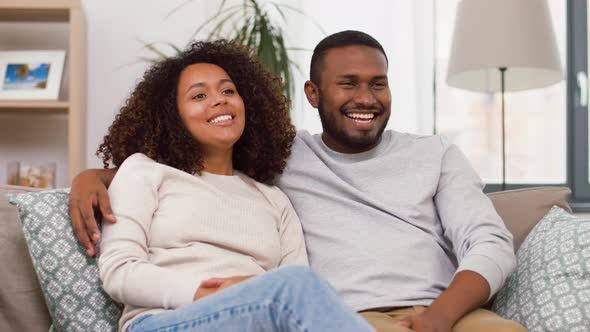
(26, 75)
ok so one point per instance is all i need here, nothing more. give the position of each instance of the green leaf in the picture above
(152, 48)
(299, 49)
(177, 8)
(222, 21)
(301, 12)
(284, 67)
(265, 47)
(251, 41)
(278, 8)
(177, 49)
(213, 18)
(256, 8)
(296, 66)
(146, 59)
(241, 33)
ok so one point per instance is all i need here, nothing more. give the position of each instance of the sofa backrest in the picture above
(21, 299)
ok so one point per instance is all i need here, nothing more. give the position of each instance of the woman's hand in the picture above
(213, 285)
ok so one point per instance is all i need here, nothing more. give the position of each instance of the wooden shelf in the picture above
(34, 15)
(71, 13)
(34, 106)
(36, 10)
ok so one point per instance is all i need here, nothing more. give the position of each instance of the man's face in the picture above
(353, 98)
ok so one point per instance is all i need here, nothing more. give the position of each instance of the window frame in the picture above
(577, 138)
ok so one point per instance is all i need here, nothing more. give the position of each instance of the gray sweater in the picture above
(391, 226)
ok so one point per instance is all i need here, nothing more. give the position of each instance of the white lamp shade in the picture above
(516, 34)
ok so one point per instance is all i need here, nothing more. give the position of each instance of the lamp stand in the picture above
(502, 77)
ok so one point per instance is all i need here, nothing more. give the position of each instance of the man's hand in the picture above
(467, 291)
(88, 192)
(426, 322)
(213, 285)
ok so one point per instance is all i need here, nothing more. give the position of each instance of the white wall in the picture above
(115, 28)
(115, 32)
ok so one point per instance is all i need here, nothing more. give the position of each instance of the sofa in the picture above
(22, 304)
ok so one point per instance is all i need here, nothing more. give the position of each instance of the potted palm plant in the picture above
(250, 23)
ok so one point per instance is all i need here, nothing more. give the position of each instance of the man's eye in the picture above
(199, 96)
(380, 85)
(346, 84)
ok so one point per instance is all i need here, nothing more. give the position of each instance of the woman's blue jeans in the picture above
(291, 298)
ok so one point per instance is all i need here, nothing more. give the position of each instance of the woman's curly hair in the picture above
(149, 121)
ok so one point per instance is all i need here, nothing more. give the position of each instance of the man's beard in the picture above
(331, 128)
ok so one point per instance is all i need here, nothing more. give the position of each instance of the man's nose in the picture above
(365, 96)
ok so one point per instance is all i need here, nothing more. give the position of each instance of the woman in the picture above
(197, 227)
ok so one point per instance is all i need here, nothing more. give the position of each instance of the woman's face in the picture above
(210, 106)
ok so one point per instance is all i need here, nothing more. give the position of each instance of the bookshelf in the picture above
(72, 103)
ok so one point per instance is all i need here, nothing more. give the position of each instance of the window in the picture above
(536, 120)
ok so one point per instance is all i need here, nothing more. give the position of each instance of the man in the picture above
(397, 223)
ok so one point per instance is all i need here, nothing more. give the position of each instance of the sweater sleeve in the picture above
(479, 237)
(293, 251)
(126, 272)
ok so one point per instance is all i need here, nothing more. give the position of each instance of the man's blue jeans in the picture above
(285, 299)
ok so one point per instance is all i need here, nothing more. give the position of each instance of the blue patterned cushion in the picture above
(550, 289)
(69, 279)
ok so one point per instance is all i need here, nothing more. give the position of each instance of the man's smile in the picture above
(363, 119)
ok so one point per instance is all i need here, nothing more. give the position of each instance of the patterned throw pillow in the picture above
(69, 279)
(550, 289)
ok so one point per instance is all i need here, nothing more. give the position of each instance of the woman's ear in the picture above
(311, 91)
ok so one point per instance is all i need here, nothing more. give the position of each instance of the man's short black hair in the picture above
(338, 40)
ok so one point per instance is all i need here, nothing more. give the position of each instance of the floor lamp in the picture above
(503, 45)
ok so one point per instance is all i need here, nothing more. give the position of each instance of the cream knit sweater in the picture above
(175, 230)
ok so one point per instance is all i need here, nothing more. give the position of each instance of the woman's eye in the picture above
(228, 91)
(199, 96)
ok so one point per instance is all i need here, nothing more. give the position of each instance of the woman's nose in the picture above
(220, 99)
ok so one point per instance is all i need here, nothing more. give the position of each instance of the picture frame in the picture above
(31, 75)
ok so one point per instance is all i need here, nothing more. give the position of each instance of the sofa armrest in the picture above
(22, 304)
(522, 209)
